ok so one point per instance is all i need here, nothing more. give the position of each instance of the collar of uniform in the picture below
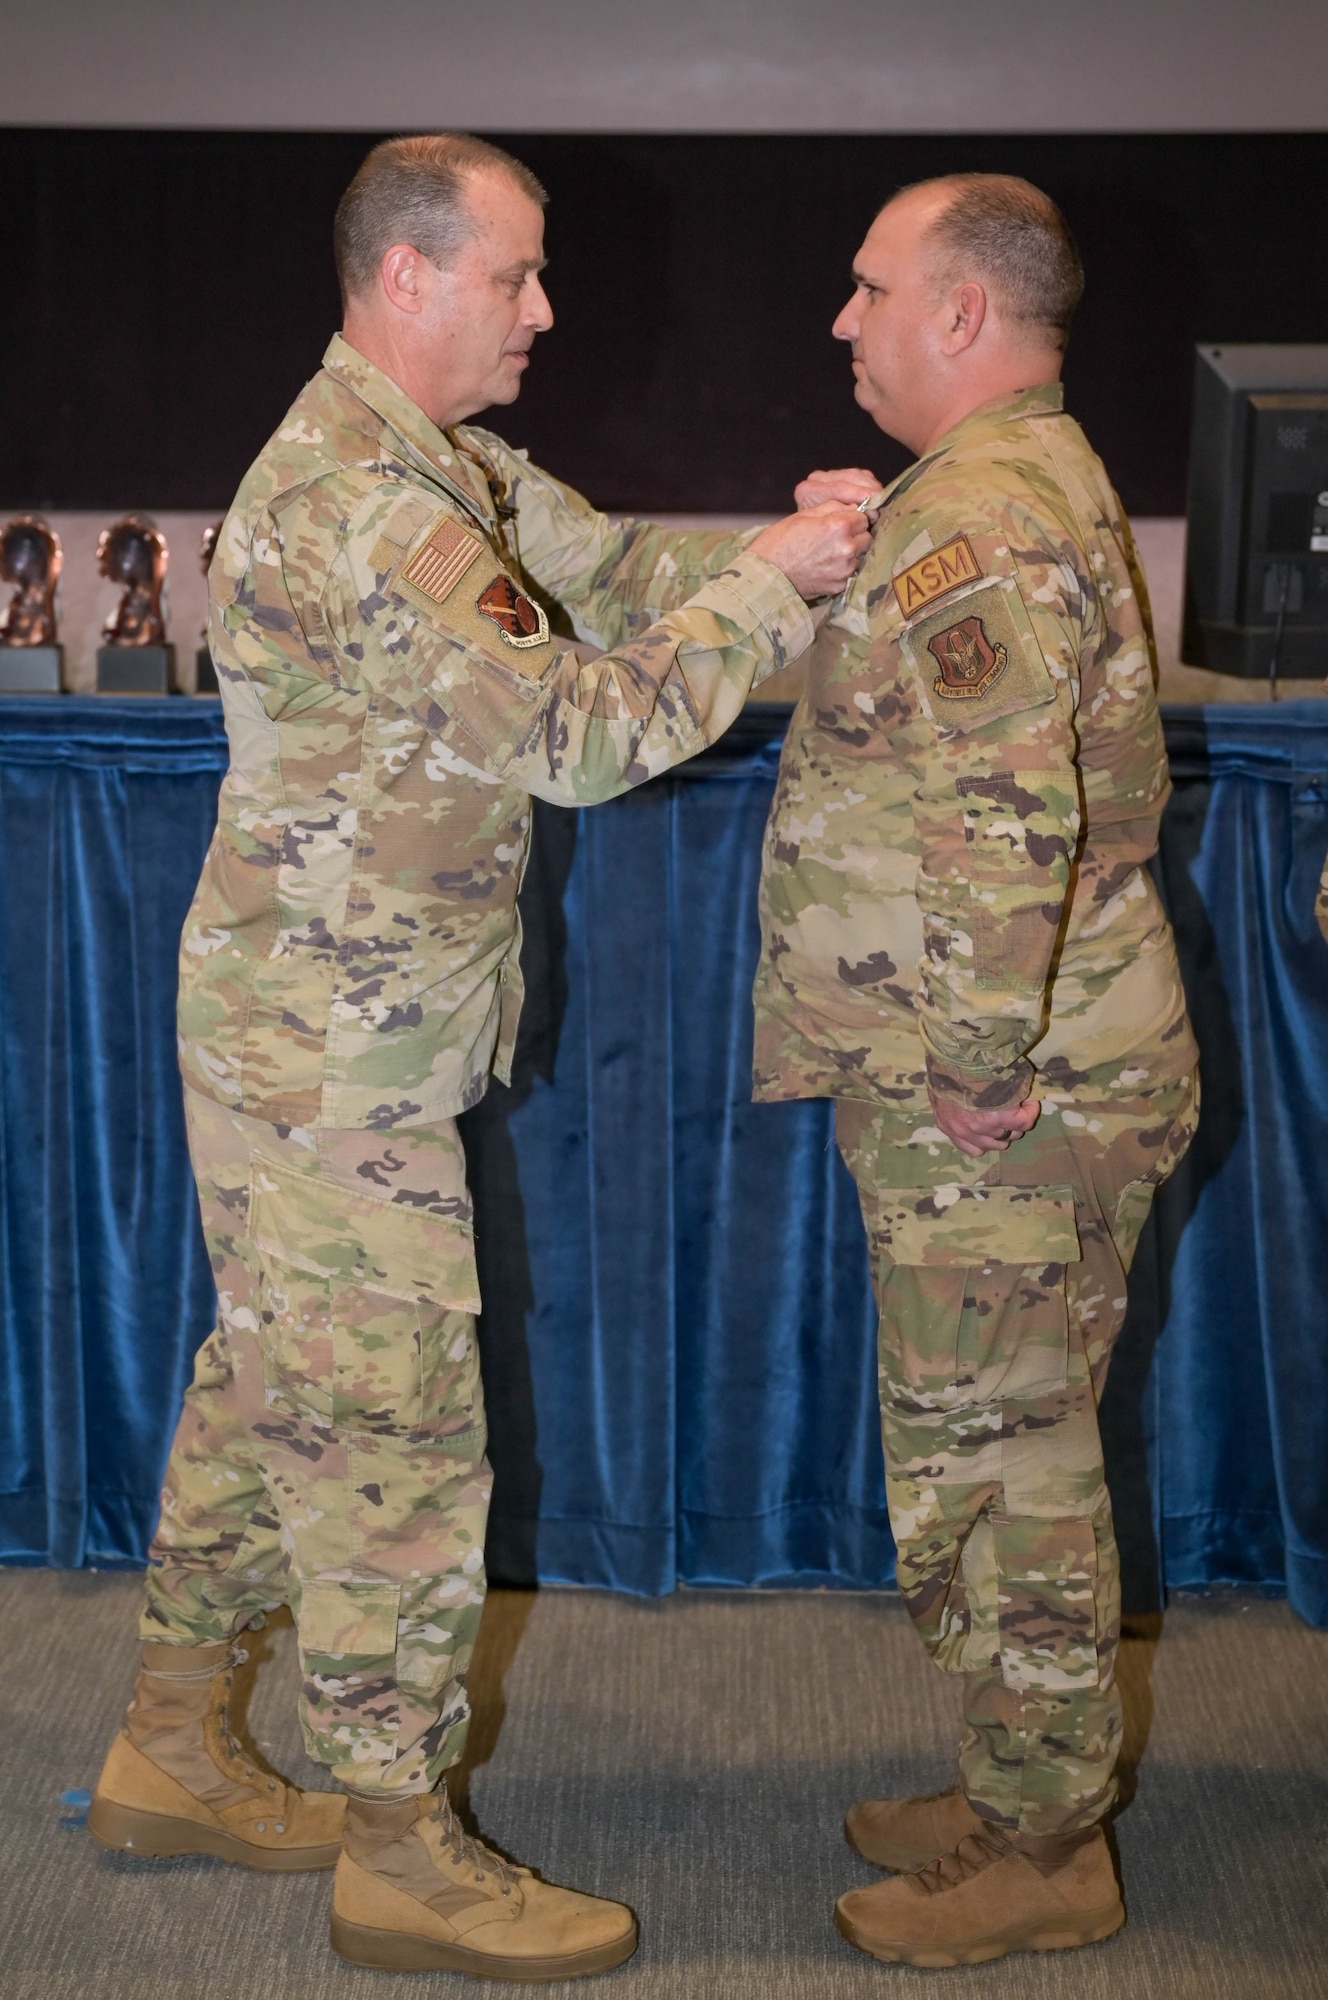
(1046, 400)
(421, 438)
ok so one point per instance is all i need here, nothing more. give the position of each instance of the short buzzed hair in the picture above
(414, 191)
(1012, 238)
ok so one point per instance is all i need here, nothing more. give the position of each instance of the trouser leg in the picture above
(990, 1372)
(345, 1273)
(1017, 1592)
(216, 1558)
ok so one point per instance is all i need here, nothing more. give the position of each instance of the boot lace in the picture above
(975, 1852)
(467, 1849)
(232, 1748)
(235, 1748)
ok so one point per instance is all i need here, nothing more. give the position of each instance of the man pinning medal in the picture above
(387, 599)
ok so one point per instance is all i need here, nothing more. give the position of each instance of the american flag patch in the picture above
(439, 566)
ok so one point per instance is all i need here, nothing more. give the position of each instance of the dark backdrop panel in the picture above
(166, 293)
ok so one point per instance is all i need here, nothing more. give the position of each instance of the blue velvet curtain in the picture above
(678, 1329)
(106, 808)
(1233, 1300)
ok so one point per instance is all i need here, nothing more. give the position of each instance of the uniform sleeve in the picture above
(420, 613)
(987, 665)
(613, 578)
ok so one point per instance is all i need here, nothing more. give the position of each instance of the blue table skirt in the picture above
(678, 1333)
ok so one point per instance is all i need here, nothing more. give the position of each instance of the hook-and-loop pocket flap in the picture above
(954, 1226)
(331, 1232)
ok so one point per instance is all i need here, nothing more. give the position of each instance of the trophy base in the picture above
(31, 669)
(205, 674)
(135, 670)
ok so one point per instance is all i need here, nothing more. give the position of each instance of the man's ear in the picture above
(965, 311)
(402, 277)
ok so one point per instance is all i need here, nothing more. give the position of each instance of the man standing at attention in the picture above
(383, 599)
(963, 947)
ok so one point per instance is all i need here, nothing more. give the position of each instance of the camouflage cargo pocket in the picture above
(973, 1297)
(1054, 1603)
(347, 1637)
(360, 1304)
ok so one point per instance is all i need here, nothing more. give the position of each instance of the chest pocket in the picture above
(973, 1294)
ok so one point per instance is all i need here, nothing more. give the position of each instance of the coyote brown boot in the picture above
(996, 1893)
(415, 1893)
(904, 1834)
(176, 1781)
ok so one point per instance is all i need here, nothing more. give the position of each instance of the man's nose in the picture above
(846, 326)
(538, 313)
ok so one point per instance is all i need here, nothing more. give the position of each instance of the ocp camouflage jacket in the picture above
(954, 888)
(394, 695)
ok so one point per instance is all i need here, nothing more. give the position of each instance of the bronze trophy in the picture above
(134, 657)
(205, 673)
(31, 658)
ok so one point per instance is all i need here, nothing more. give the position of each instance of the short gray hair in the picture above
(1011, 237)
(413, 190)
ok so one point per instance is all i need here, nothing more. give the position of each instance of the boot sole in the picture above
(127, 1830)
(400, 1951)
(1090, 1929)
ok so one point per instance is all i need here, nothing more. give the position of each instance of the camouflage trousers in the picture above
(1001, 1287)
(330, 1454)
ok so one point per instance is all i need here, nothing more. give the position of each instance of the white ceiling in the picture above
(884, 66)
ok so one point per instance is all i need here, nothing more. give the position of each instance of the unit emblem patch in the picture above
(439, 566)
(520, 622)
(968, 661)
(932, 575)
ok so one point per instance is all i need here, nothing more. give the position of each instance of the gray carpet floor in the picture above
(694, 1757)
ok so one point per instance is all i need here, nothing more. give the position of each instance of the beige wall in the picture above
(670, 65)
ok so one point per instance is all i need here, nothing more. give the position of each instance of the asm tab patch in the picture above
(439, 566)
(521, 622)
(933, 574)
(969, 661)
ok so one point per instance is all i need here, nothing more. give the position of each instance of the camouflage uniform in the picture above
(954, 895)
(384, 598)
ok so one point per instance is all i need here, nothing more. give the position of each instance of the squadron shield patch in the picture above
(439, 566)
(969, 662)
(932, 575)
(521, 622)
(977, 659)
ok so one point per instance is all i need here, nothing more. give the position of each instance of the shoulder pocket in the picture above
(453, 579)
(977, 657)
